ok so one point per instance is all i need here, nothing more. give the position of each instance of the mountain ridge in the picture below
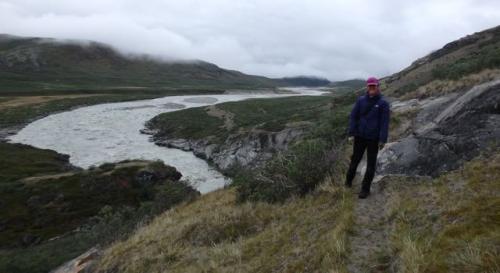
(45, 63)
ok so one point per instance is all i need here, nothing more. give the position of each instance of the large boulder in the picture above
(447, 133)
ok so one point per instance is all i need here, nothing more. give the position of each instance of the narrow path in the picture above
(369, 241)
(34, 179)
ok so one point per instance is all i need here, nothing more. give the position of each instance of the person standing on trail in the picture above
(368, 125)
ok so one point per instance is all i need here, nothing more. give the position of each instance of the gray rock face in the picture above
(246, 150)
(6, 132)
(82, 263)
(447, 131)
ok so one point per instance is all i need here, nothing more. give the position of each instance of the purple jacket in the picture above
(370, 123)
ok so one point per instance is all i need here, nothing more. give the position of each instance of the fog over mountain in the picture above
(333, 39)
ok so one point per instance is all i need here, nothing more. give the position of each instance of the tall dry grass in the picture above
(216, 234)
(451, 223)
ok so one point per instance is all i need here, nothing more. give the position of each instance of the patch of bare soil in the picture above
(35, 179)
(29, 100)
(228, 117)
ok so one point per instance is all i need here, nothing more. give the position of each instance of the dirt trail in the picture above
(369, 241)
(38, 178)
(228, 117)
(34, 179)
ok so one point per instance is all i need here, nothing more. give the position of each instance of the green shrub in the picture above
(171, 193)
(163, 171)
(295, 172)
(332, 127)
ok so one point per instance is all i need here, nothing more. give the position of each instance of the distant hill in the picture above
(47, 64)
(309, 81)
(354, 83)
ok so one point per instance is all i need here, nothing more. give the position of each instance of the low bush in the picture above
(295, 172)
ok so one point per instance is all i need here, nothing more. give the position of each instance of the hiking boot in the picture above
(363, 194)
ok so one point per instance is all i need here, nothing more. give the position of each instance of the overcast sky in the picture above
(334, 39)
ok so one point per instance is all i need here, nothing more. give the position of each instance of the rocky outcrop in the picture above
(9, 131)
(446, 132)
(80, 264)
(249, 149)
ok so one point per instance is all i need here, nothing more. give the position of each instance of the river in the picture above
(110, 132)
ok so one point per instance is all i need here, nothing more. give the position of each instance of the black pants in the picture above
(360, 145)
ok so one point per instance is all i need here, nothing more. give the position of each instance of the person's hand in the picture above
(350, 139)
(381, 145)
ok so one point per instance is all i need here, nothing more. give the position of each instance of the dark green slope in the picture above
(309, 81)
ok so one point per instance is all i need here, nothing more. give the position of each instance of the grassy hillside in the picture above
(35, 64)
(448, 224)
(458, 65)
(214, 234)
(433, 226)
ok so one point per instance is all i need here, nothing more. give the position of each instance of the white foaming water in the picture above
(110, 133)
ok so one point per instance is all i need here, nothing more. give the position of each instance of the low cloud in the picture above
(334, 39)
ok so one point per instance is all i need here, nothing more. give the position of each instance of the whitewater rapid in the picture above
(110, 132)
